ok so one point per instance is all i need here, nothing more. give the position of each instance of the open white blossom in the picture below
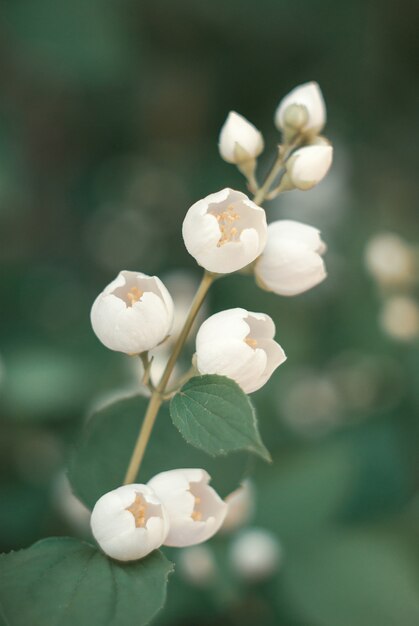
(390, 260)
(241, 503)
(309, 96)
(255, 554)
(195, 510)
(129, 522)
(133, 314)
(225, 231)
(239, 139)
(291, 262)
(309, 165)
(240, 345)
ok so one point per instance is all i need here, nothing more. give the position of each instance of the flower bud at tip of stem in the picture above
(295, 119)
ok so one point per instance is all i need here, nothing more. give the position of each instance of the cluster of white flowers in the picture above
(225, 232)
(176, 508)
(301, 113)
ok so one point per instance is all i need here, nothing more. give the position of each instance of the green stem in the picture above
(279, 164)
(157, 398)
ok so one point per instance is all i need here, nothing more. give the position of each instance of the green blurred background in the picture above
(109, 117)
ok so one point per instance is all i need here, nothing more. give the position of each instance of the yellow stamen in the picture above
(138, 509)
(225, 221)
(251, 342)
(196, 515)
(134, 295)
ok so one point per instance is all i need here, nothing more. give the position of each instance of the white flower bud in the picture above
(195, 510)
(400, 318)
(239, 139)
(129, 522)
(307, 166)
(255, 554)
(310, 96)
(390, 260)
(240, 345)
(240, 504)
(133, 314)
(291, 262)
(225, 231)
(197, 566)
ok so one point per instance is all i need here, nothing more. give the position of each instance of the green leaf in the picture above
(354, 578)
(65, 581)
(101, 458)
(215, 415)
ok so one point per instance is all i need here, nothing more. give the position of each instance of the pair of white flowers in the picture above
(176, 508)
(226, 231)
(135, 313)
(303, 111)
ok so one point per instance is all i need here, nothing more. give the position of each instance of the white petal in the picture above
(177, 489)
(290, 229)
(229, 323)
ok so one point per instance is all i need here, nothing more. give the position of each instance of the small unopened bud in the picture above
(400, 318)
(197, 566)
(310, 97)
(239, 141)
(255, 555)
(390, 260)
(296, 116)
(291, 262)
(308, 166)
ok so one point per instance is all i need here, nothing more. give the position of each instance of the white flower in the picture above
(225, 231)
(129, 522)
(390, 260)
(291, 262)
(133, 314)
(255, 554)
(197, 565)
(309, 96)
(195, 510)
(307, 166)
(240, 345)
(240, 504)
(400, 318)
(239, 139)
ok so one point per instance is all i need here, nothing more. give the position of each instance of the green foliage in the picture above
(65, 581)
(215, 415)
(353, 578)
(100, 461)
